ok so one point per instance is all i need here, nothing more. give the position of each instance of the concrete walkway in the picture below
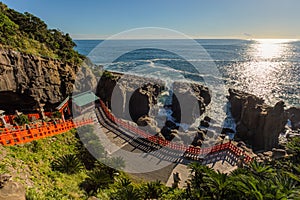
(115, 142)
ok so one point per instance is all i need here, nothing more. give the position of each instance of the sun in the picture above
(270, 48)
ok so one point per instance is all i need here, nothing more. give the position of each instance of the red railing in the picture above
(32, 116)
(21, 135)
(179, 147)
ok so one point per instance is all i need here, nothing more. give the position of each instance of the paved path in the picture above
(138, 158)
(150, 162)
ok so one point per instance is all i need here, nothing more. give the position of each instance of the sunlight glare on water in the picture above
(266, 69)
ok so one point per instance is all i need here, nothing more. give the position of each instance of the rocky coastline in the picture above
(28, 80)
(258, 124)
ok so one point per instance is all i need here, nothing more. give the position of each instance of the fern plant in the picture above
(69, 164)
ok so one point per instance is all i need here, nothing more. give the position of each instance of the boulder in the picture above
(132, 97)
(278, 153)
(204, 123)
(11, 190)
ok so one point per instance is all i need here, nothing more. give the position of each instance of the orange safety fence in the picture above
(176, 146)
(32, 116)
(21, 135)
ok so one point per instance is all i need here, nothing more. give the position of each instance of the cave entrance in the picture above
(11, 101)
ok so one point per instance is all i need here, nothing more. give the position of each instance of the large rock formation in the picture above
(257, 123)
(26, 80)
(129, 97)
(189, 101)
(132, 97)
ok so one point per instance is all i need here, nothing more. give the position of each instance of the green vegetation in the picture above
(28, 33)
(51, 168)
(56, 115)
(108, 75)
(61, 168)
(69, 164)
(21, 120)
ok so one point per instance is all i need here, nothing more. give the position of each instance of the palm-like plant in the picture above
(129, 193)
(248, 187)
(21, 120)
(124, 182)
(115, 162)
(153, 190)
(261, 170)
(98, 178)
(285, 185)
(69, 164)
(218, 185)
(198, 172)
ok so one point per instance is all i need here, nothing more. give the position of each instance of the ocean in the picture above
(267, 68)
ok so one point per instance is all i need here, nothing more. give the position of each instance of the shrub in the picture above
(97, 178)
(69, 164)
(56, 114)
(21, 120)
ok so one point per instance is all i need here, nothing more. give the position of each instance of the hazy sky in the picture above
(196, 18)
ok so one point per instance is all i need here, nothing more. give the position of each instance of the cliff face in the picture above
(257, 123)
(26, 80)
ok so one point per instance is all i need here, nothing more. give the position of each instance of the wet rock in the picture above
(204, 123)
(294, 116)
(131, 97)
(206, 118)
(189, 101)
(227, 131)
(171, 125)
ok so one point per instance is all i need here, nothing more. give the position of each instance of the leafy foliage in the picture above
(56, 114)
(21, 120)
(28, 33)
(69, 164)
(97, 178)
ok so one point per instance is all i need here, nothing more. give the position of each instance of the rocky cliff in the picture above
(26, 80)
(257, 123)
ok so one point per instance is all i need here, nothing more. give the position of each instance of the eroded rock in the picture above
(258, 124)
(28, 79)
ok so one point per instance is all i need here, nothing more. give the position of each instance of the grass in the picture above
(33, 165)
(34, 160)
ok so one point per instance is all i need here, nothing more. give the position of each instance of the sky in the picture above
(99, 19)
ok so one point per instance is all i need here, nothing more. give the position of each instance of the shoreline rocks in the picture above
(258, 124)
(293, 114)
(131, 97)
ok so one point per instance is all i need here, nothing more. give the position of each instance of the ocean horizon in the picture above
(268, 68)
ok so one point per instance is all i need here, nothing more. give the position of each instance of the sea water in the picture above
(269, 69)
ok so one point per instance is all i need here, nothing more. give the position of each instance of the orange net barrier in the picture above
(25, 134)
(175, 146)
